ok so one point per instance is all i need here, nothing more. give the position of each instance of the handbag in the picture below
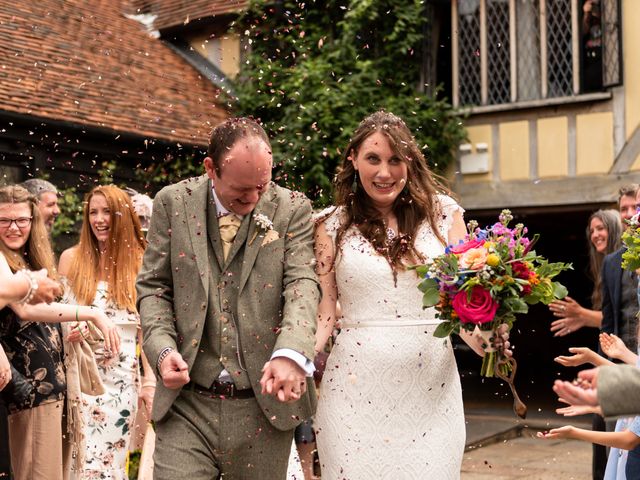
(19, 390)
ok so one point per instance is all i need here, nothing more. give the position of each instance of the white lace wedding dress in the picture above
(390, 401)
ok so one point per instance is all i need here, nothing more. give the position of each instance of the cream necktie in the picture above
(229, 225)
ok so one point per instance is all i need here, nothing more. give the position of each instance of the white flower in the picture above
(263, 222)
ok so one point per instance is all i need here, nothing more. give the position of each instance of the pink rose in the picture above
(463, 247)
(478, 309)
(474, 258)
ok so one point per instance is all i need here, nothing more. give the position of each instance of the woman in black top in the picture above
(34, 398)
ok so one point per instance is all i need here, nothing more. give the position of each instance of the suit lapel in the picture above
(196, 219)
(213, 229)
(252, 246)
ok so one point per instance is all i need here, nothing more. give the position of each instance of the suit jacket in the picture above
(619, 390)
(278, 293)
(612, 292)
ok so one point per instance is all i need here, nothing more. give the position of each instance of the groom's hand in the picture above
(174, 371)
(283, 378)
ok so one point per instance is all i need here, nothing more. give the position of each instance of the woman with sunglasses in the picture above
(34, 346)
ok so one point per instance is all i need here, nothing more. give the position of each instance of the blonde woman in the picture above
(101, 270)
(34, 346)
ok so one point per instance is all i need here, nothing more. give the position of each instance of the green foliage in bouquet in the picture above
(487, 279)
(631, 240)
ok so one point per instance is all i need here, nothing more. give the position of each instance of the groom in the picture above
(227, 297)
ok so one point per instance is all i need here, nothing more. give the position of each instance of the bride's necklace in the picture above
(391, 235)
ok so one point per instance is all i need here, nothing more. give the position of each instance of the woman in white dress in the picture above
(390, 401)
(101, 271)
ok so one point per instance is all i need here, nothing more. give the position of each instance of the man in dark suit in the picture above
(619, 307)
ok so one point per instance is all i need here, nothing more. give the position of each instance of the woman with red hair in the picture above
(101, 270)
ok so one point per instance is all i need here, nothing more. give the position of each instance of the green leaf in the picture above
(428, 284)
(516, 305)
(431, 297)
(559, 290)
(444, 330)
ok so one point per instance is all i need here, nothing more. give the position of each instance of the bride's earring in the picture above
(354, 185)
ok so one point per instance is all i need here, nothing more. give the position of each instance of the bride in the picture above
(390, 401)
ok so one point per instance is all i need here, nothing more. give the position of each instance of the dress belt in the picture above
(220, 390)
(389, 323)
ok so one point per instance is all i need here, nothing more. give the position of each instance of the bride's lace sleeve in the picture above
(448, 206)
(331, 217)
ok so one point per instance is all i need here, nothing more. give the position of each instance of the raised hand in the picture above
(174, 371)
(109, 332)
(77, 331)
(576, 410)
(613, 346)
(283, 378)
(48, 289)
(581, 355)
(570, 316)
(562, 432)
(576, 395)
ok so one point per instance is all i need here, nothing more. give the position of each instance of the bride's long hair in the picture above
(415, 204)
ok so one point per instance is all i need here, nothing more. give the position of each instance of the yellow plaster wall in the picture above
(553, 152)
(594, 138)
(514, 150)
(223, 52)
(631, 63)
(480, 134)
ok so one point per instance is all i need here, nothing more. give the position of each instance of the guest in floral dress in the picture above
(101, 270)
(33, 345)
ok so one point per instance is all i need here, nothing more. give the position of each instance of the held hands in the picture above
(581, 355)
(283, 378)
(174, 371)
(48, 289)
(5, 370)
(570, 316)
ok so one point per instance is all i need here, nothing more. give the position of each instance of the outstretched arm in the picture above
(58, 312)
(582, 355)
(625, 440)
(613, 346)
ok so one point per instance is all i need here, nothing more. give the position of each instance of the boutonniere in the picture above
(264, 226)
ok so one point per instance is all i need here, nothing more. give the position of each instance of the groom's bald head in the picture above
(228, 133)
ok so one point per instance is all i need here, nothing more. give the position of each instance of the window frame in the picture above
(611, 25)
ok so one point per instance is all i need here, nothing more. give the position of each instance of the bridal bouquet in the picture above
(485, 280)
(631, 240)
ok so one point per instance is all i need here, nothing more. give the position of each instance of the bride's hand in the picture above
(501, 341)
